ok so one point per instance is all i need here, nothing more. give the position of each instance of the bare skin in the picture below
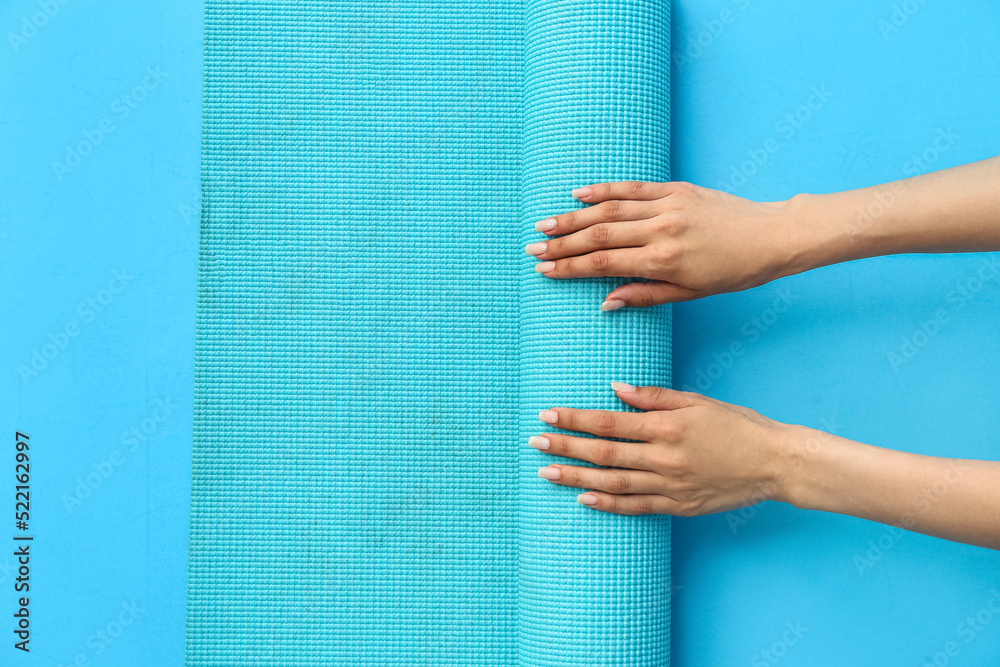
(694, 242)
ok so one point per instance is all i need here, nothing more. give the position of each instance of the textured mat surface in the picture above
(374, 346)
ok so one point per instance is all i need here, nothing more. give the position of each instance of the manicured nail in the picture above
(539, 442)
(612, 304)
(587, 499)
(622, 388)
(535, 248)
(545, 267)
(545, 225)
(548, 416)
(580, 193)
(548, 473)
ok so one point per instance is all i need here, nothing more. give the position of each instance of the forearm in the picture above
(952, 210)
(956, 499)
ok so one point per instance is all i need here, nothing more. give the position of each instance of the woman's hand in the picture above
(697, 455)
(694, 241)
(691, 240)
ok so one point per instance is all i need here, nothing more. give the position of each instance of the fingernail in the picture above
(535, 248)
(539, 442)
(548, 416)
(545, 267)
(548, 473)
(580, 193)
(612, 304)
(545, 225)
(622, 387)
(587, 499)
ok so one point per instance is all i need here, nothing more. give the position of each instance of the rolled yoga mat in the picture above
(373, 345)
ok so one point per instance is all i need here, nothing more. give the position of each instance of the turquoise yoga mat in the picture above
(373, 345)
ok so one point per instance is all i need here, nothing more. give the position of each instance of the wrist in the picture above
(827, 472)
(802, 451)
(815, 230)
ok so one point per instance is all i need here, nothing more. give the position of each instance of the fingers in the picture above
(630, 190)
(655, 398)
(604, 423)
(602, 479)
(609, 211)
(602, 452)
(636, 504)
(621, 262)
(645, 295)
(603, 235)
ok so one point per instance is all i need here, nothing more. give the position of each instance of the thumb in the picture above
(653, 398)
(644, 295)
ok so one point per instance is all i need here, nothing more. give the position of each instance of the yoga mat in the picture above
(373, 345)
(594, 587)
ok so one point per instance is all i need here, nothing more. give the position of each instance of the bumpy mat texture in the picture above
(374, 346)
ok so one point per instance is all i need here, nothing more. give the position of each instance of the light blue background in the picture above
(824, 362)
(131, 206)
